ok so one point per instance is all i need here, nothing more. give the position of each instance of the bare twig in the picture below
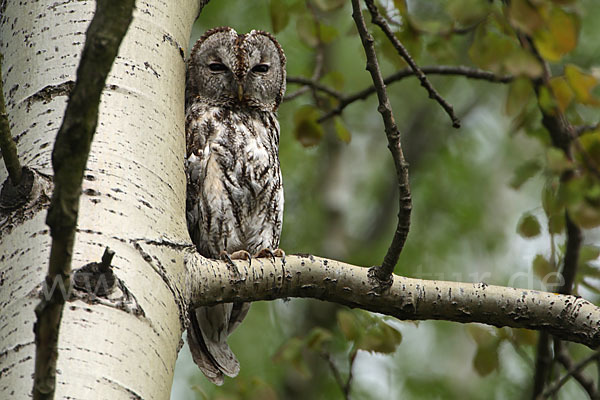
(562, 355)
(7, 144)
(344, 386)
(570, 371)
(69, 157)
(468, 72)
(582, 129)
(377, 19)
(384, 272)
(310, 83)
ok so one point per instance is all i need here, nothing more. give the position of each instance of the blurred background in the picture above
(470, 189)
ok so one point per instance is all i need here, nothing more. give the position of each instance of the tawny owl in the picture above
(234, 85)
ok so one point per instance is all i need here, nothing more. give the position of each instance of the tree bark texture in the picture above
(567, 317)
(133, 193)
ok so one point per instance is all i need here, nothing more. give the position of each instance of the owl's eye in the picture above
(217, 67)
(262, 68)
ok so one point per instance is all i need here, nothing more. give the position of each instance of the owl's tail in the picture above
(207, 338)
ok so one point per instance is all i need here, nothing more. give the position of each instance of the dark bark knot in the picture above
(14, 196)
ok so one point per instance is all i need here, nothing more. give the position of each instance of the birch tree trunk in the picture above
(133, 199)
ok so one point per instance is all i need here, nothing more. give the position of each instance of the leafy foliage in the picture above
(489, 200)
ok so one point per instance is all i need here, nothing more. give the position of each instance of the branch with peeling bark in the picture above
(567, 317)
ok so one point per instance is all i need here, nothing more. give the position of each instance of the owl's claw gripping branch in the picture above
(271, 253)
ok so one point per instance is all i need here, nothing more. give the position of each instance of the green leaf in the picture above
(486, 359)
(590, 143)
(329, 5)
(306, 128)
(307, 32)
(524, 16)
(524, 172)
(542, 268)
(522, 63)
(528, 226)
(334, 78)
(327, 33)
(468, 12)
(349, 325)
(588, 253)
(279, 15)
(520, 93)
(482, 335)
(341, 131)
(556, 224)
(551, 202)
(585, 215)
(317, 338)
(368, 332)
(557, 160)
(524, 336)
(380, 338)
(291, 352)
(547, 101)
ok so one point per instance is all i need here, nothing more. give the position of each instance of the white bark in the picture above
(134, 194)
(567, 317)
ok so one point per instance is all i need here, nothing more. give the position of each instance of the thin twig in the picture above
(582, 129)
(562, 355)
(7, 144)
(69, 157)
(344, 386)
(468, 72)
(309, 83)
(377, 19)
(384, 272)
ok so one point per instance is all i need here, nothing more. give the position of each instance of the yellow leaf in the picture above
(559, 36)
(562, 92)
(582, 84)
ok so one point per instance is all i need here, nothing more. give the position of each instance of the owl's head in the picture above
(227, 69)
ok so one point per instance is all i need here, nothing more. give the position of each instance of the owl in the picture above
(234, 203)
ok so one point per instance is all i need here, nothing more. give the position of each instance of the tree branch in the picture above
(213, 281)
(377, 19)
(7, 144)
(385, 270)
(468, 72)
(562, 355)
(570, 373)
(69, 157)
(346, 100)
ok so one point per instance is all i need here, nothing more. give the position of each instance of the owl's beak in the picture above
(240, 92)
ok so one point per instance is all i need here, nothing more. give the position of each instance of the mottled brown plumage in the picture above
(234, 85)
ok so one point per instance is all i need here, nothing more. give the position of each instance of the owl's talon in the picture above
(271, 253)
(242, 255)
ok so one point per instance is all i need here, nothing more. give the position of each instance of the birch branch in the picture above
(564, 316)
(69, 158)
(7, 144)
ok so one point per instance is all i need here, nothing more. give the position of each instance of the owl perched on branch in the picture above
(234, 85)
